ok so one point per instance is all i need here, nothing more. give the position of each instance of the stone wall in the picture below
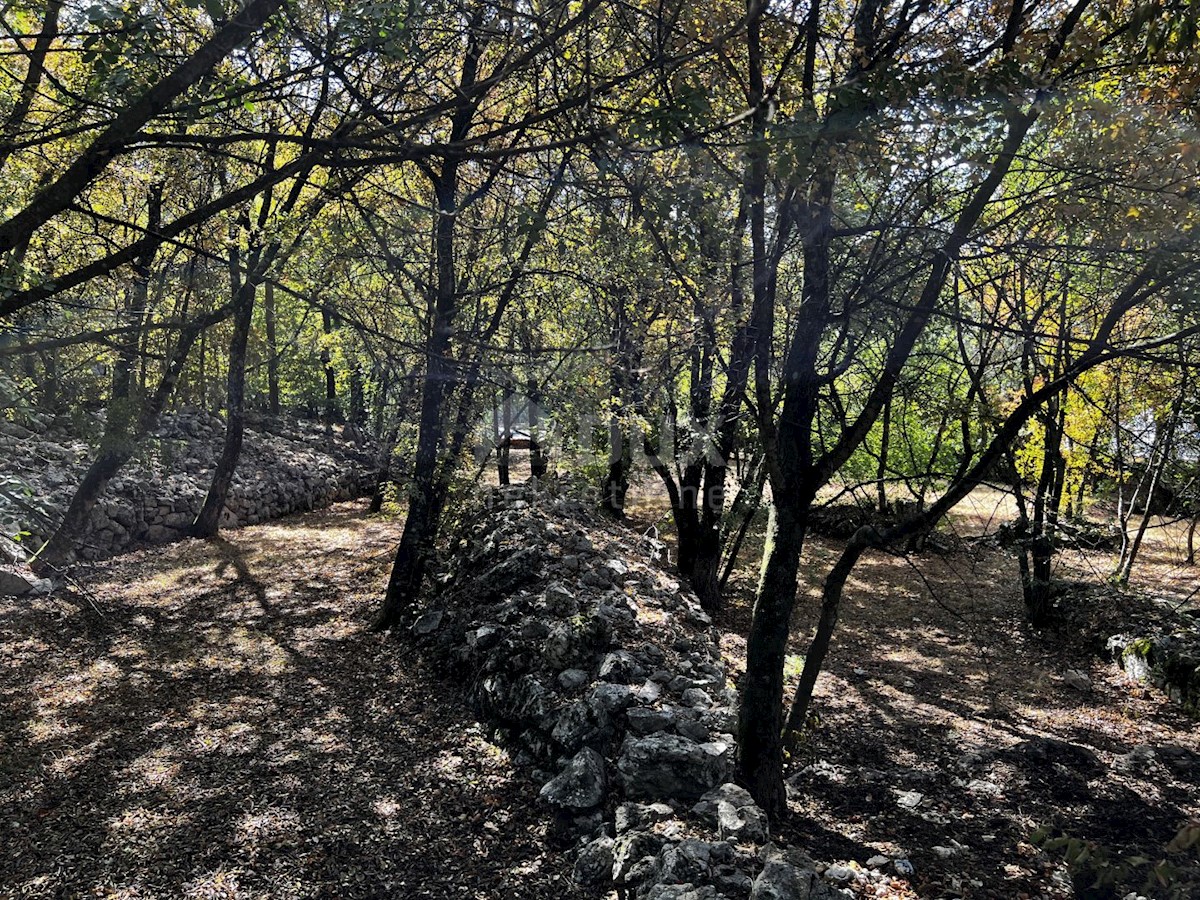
(286, 466)
(602, 674)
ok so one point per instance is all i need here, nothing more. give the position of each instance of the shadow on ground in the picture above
(220, 725)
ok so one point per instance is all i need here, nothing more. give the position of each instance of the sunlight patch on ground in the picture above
(267, 825)
(157, 768)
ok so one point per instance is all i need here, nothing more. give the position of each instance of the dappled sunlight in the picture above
(230, 707)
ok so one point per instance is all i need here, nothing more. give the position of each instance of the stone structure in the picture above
(601, 673)
(286, 466)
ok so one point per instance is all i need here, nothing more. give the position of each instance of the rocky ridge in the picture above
(601, 673)
(286, 466)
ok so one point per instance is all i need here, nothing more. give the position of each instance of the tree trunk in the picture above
(504, 449)
(818, 649)
(331, 410)
(385, 470)
(760, 718)
(1158, 465)
(272, 349)
(539, 456)
(616, 479)
(124, 423)
(208, 522)
(114, 453)
(358, 402)
(428, 487)
(746, 504)
(881, 470)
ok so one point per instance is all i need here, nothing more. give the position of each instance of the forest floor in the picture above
(944, 721)
(212, 720)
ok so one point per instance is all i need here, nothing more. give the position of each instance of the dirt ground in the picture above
(220, 725)
(945, 721)
(213, 721)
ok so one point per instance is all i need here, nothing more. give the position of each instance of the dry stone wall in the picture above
(286, 466)
(603, 675)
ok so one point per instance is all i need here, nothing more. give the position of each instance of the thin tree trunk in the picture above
(331, 410)
(539, 457)
(208, 522)
(881, 470)
(504, 450)
(1158, 465)
(760, 719)
(746, 505)
(272, 349)
(385, 470)
(818, 649)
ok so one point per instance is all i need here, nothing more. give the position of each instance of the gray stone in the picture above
(643, 720)
(640, 816)
(649, 692)
(560, 601)
(620, 667)
(581, 723)
(683, 892)
(581, 785)
(428, 622)
(630, 850)
(732, 881)
(14, 585)
(532, 629)
(780, 880)
(572, 679)
(617, 570)
(1077, 680)
(598, 578)
(612, 698)
(558, 649)
(839, 874)
(594, 865)
(1137, 761)
(688, 862)
(732, 811)
(670, 766)
(693, 730)
(697, 699)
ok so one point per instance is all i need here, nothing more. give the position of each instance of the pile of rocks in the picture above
(1169, 659)
(285, 467)
(602, 673)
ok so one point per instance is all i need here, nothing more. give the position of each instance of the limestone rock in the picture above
(594, 865)
(671, 766)
(733, 812)
(581, 785)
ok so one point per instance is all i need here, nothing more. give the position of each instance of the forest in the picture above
(679, 450)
